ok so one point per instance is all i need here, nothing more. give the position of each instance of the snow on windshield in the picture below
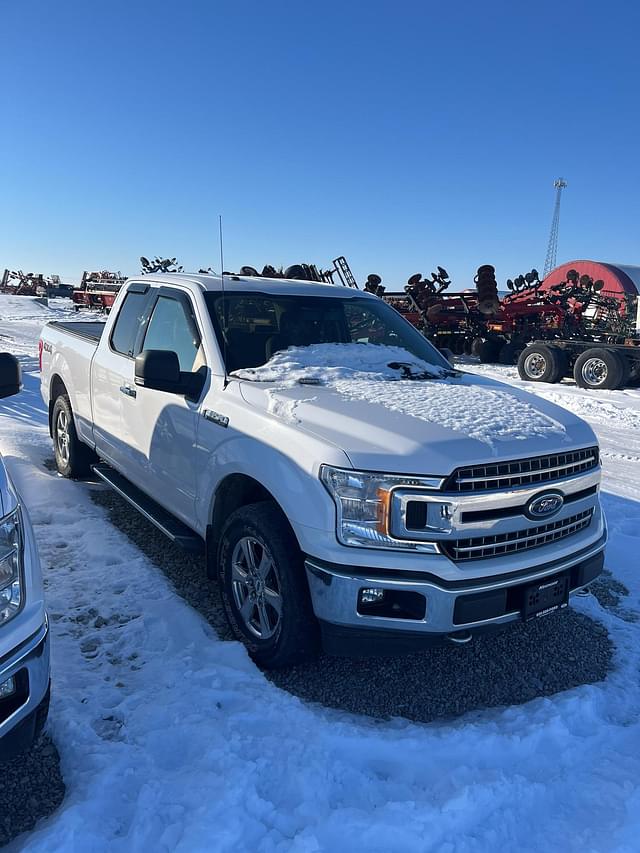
(361, 372)
(327, 363)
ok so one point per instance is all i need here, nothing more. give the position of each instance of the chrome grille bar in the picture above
(482, 547)
(521, 472)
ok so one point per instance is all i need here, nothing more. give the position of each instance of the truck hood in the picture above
(423, 427)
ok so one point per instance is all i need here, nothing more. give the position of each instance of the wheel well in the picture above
(57, 388)
(235, 491)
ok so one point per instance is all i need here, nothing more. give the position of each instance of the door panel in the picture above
(162, 426)
(112, 379)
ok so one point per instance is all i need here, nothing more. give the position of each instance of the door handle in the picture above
(126, 389)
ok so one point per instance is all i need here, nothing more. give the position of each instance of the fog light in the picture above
(7, 688)
(372, 595)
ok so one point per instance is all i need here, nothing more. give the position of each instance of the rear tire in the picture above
(599, 368)
(73, 458)
(264, 587)
(540, 363)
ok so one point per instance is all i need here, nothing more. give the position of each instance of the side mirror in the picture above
(10, 375)
(160, 370)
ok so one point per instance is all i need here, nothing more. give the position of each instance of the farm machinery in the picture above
(19, 283)
(98, 290)
(338, 273)
(496, 329)
(455, 321)
(159, 265)
(573, 327)
(603, 350)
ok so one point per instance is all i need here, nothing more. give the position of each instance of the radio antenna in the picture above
(224, 307)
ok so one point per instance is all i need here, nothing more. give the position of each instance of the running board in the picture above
(174, 529)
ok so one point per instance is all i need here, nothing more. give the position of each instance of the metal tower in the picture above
(552, 248)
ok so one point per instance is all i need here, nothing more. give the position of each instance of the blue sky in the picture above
(401, 134)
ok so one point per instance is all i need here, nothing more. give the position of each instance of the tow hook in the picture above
(460, 638)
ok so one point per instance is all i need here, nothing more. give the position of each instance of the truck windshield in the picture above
(252, 327)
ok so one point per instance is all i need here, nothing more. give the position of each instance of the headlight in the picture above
(363, 505)
(11, 552)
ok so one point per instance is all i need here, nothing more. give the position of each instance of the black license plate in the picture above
(546, 597)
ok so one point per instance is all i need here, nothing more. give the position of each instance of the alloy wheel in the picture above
(256, 587)
(62, 435)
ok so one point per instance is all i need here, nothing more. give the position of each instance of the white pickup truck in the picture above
(24, 629)
(347, 485)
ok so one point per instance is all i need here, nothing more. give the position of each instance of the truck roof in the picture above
(259, 284)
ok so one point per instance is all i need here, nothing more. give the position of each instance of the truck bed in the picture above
(88, 329)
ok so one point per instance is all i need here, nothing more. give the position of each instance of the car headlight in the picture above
(363, 507)
(11, 555)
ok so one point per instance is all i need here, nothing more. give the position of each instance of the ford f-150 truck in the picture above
(24, 630)
(346, 484)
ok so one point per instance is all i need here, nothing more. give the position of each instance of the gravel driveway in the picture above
(31, 789)
(526, 661)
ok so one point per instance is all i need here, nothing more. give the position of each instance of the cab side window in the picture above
(172, 328)
(128, 323)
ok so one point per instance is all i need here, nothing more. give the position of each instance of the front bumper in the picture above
(29, 665)
(429, 606)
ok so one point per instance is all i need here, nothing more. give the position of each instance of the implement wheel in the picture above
(540, 363)
(601, 368)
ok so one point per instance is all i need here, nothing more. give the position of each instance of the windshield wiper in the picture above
(408, 372)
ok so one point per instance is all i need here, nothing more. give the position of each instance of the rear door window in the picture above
(129, 323)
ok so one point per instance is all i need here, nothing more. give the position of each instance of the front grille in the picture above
(523, 472)
(482, 547)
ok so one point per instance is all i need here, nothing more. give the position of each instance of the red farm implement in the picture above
(98, 290)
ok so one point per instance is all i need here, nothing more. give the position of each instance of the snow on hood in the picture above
(487, 414)
(359, 373)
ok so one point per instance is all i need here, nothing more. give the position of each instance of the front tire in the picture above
(264, 587)
(73, 458)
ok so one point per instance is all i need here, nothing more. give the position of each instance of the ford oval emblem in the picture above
(545, 505)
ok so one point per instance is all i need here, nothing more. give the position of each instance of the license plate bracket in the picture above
(546, 597)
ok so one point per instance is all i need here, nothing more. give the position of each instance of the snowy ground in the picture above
(172, 740)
